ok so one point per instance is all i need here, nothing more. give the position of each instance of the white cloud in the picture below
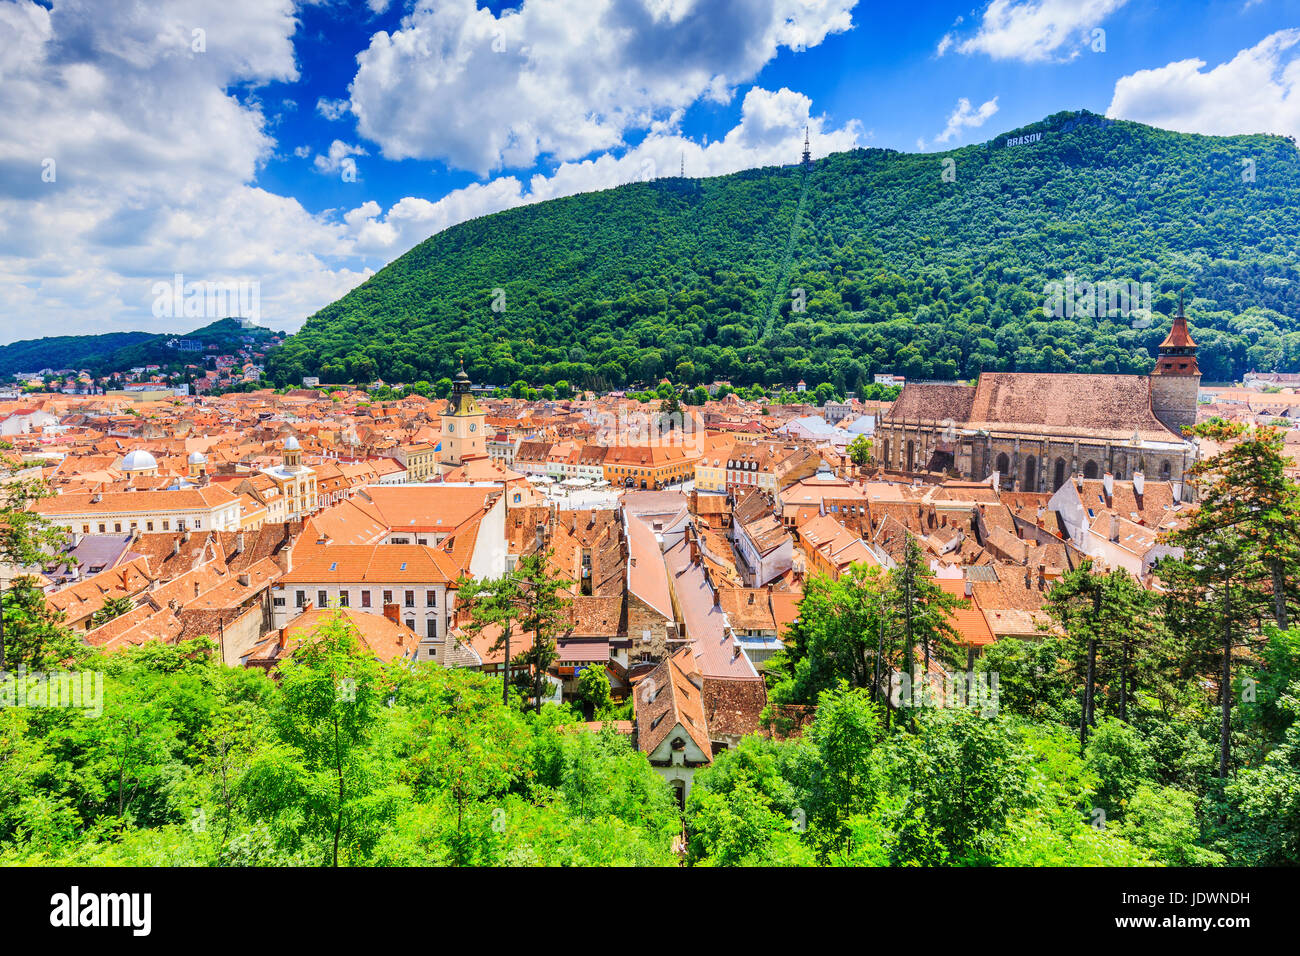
(1257, 91)
(563, 78)
(339, 159)
(154, 165)
(964, 116)
(331, 109)
(1032, 30)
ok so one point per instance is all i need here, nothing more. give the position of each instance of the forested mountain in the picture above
(907, 263)
(118, 351)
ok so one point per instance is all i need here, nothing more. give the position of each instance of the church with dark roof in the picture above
(1036, 430)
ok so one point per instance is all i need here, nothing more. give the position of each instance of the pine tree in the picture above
(922, 611)
(1244, 488)
(1111, 624)
(529, 597)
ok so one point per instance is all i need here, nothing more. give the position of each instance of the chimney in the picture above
(694, 551)
(717, 598)
(1108, 483)
(1114, 527)
(239, 543)
(196, 588)
(244, 579)
(1139, 482)
(541, 536)
(1042, 577)
(970, 588)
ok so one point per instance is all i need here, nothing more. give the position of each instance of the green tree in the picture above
(34, 633)
(593, 690)
(111, 608)
(530, 596)
(839, 636)
(1244, 490)
(1111, 622)
(860, 451)
(27, 539)
(922, 610)
(1211, 612)
(331, 695)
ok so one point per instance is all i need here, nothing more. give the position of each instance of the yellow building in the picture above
(295, 482)
(421, 461)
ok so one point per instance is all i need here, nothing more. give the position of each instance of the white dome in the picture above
(291, 444)
(139, 460)
(198, 458)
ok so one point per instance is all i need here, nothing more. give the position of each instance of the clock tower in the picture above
(463, 426)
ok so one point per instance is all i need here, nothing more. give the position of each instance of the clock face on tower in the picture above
(473, 428)
(451, 427)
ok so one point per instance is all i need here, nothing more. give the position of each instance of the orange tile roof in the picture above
(378, 564)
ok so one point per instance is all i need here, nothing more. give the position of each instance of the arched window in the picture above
(1090, 469)
(1059, 474)
(1003, 464)
(1031, 474)
(1164, 471)
(911, 454)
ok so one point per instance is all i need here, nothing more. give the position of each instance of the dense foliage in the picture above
(342, 761)
(875, 261)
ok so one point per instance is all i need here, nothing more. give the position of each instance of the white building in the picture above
(411, 584)
(210, 508)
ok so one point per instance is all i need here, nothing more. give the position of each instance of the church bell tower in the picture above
(1176, 379)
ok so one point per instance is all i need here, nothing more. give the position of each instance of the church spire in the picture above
(1178, 350)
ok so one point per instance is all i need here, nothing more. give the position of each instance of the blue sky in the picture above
(300, 147)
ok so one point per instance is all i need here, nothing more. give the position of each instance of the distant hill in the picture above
(930, 265)
(63, 351)
(118, 351)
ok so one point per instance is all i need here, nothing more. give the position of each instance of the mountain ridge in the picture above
(898, 269)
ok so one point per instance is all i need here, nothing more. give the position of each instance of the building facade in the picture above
(1036, 430)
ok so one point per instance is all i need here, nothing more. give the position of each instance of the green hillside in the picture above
(900, 270)
(118, 351)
